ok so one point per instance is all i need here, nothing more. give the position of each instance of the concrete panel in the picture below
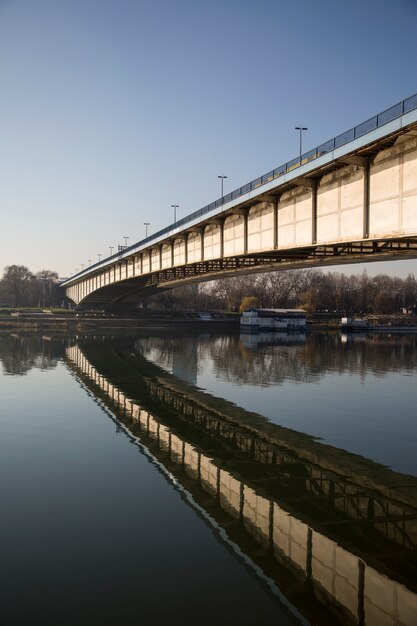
(156, 260)
(289, 536)
(176, 449)
(351, 224)
(303, 207)
(208, 473)
(286, 236)
(261, 228)
(407, 606)
(229, 493)
(384, 217)
(385, 180)
(409, 214)
(145, 262)
(191, 460)
(164, 434)
(166, 256)
(351, 191)
(410, 171)
(285, 213)
(375, 617)
(138, 264)
(328, 228)
(323, 562)
(299, 532)
(347, 580)
(153, 427)
(143, 418)
(233, 235)
(194, 247)
(212, 241)
(380, 601)
(281, 530)
(179, 252)
(328, 199)
(303, 232)
(256, 514)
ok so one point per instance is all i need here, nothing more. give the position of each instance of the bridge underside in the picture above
(131, 290)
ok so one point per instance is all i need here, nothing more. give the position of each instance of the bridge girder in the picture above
(138, 287)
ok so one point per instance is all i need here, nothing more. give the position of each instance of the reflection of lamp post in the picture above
(146, 224)
(125, 238)
(175, 207)
(111, 250)
(222, 177)
(301, 129)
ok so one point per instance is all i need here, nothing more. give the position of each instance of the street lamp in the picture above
(301, 129)
(125, 238)
(82, 266)
(111, 250)
(76, 270)
(146, 224)
(222, 177)
(99, 257)
(90, 261)
(175, 207)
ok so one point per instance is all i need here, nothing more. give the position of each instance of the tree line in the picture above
(20, 287)
(311, 289)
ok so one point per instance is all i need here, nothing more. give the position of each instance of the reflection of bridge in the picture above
(353, 198)
(342, 526)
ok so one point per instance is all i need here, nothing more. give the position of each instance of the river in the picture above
(208, 479)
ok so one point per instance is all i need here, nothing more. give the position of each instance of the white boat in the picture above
(260, 320)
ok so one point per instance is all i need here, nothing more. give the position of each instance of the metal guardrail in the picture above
(409, 104)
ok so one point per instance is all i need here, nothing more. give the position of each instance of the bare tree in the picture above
(17, 280)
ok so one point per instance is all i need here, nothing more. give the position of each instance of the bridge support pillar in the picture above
(314, 212)
(366, 189)
(245, 230)
(221, 238)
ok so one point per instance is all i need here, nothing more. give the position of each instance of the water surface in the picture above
(154, 479)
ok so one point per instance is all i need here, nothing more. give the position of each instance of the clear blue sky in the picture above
(112, 110)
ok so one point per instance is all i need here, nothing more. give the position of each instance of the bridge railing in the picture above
(409, 104)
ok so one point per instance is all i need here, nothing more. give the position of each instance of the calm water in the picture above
(208, 480)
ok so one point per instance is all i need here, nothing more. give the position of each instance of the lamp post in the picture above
(99, 257)
(82, 266)
(175, 207)
(222, 177)
(146, 224)
(89, 262)
(300, 130)
(111, 250)
(125, 238)
(76, 270)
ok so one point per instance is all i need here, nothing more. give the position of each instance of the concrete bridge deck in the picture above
(354, 198)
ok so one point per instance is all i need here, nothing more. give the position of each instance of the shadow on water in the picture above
(331, 533)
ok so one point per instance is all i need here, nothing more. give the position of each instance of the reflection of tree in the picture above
(19, 354)
(276, 363)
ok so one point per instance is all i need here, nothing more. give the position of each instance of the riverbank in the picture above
(77, 323)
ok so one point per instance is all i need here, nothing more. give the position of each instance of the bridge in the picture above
(351, 199)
